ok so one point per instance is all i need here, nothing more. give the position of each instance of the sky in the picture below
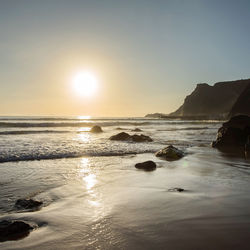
(146, 55)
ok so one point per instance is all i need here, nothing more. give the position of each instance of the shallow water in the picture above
(94, 198)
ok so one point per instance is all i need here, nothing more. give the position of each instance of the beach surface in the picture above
(94, 197)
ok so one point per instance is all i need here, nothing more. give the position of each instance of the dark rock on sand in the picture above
(27, 204)
(170, 153)
(176, 190)
(13, 230)
(136, 130)
(147, 165)
(126, 137)
(96, 129)
(234, 135)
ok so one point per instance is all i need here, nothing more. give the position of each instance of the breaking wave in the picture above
(187, 128)
(27, 132)
(67, 124)
(53, 156)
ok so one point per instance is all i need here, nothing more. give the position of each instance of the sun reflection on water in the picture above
(84, 165)
(94, 203)
(83, 129)
(84, 117)
(83, 137)
(90, 181)
(87, 175)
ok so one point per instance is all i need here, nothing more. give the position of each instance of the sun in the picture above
(84, 83)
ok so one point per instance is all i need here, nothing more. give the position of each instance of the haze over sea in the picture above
(94, 197)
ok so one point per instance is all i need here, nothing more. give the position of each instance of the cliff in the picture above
(215, 102)
(242, 105)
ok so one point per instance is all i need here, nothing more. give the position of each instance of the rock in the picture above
(147, 165)
(140, 138)
(96, 129)
(126, 137)
(234, 135)
(170, 153)
(27, 204)
(136, 130)
(176, 190)
(120, 137)
(13, 230)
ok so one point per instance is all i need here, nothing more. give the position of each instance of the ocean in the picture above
(94, 197)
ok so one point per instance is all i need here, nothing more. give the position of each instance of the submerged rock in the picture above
(120, 128)
(234, 135)
(170, 153)
(147, 165)
(27, 204)
(13, 230)
(126, 137)
(136, 130)
(96, 129)
(176, 190)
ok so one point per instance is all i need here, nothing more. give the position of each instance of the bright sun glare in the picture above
(85, 84)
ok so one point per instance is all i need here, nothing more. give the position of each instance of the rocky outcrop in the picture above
(155, 115)
(126, 137)
(170, 153)
(120, 137)
(242, 105)
(27, 204)
(96, 129)
(212, 102)
(234, 135)
(14, 230)
(147, 165)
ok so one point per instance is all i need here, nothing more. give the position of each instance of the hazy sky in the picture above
(147, 55)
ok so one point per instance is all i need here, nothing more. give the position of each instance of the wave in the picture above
(28, 132)
(103, 123)
(71, 118)
(188, 128)
(38, 119)
(54, 156)
(66, 124)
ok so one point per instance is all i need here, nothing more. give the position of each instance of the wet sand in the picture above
(105, 203)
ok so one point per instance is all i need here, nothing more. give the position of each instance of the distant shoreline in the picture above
(195, 117)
